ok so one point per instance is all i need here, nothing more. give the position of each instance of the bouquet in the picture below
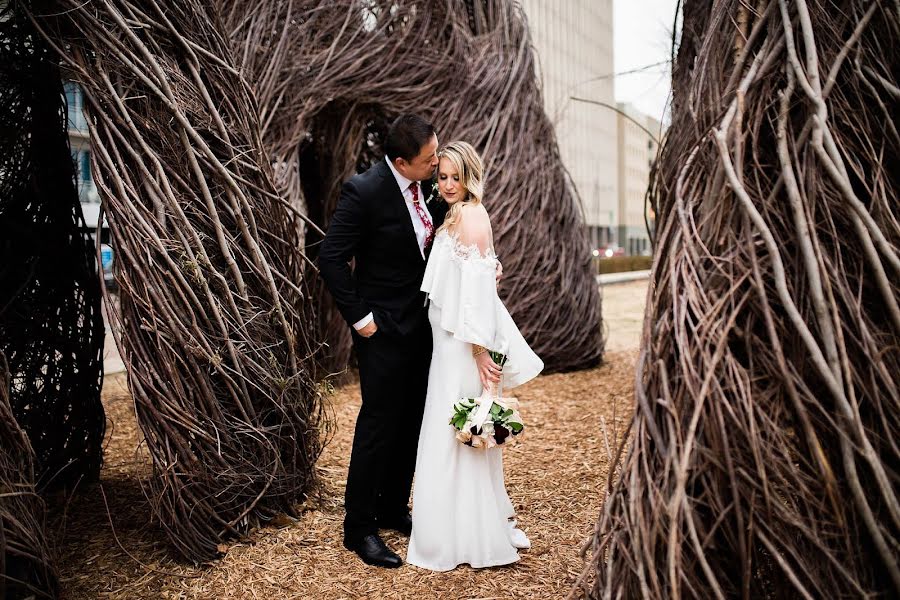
(489, 420)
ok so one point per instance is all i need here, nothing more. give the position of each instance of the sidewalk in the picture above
(112, 362)
(623, 314)
(611, 278)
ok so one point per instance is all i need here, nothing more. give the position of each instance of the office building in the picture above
(638, 137)
(574, 44)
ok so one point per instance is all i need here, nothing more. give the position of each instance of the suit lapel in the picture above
(397, 205)
(437, 208)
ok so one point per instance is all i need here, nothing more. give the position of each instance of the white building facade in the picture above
(574, 44)
(638, 137)
(80, 143)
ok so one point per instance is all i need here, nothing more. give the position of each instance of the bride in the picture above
(461, 512)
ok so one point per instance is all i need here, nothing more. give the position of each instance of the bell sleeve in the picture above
(461, 281)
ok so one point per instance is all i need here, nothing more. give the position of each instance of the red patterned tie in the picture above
(429, 228)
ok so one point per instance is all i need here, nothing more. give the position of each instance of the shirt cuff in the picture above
(363, 322)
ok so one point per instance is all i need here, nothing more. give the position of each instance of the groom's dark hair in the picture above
(406, 136)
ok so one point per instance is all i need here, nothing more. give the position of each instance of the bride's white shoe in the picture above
(517, 537)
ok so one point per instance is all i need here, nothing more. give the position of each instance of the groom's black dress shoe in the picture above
(374, 552)
(402, 524)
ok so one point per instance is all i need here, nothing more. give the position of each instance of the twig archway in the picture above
(51, 328)
(331, 76)
(764, 459)
(215, 322)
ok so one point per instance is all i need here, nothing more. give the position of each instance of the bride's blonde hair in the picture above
(471, 175)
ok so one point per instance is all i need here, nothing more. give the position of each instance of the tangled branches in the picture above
(51, 329)
(214, 320)
(26, 566)
(764, 460)
(330, 77)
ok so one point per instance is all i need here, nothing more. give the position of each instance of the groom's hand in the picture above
(369, 330)
(499, 271)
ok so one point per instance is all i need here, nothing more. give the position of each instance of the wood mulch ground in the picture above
(109, 548)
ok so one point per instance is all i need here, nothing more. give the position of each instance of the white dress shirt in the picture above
(418, 226)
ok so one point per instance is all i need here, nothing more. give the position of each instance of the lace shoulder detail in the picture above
(462, 252)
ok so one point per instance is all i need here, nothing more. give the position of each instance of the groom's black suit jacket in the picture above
(372, 225)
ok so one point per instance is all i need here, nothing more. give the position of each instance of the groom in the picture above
(382, 221)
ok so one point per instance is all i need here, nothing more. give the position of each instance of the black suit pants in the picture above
(393, 374)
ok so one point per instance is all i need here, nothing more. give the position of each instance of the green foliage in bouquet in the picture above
(503, 418)
(461, 412)
(503, 421)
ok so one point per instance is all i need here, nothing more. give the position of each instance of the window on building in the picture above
(75, 104)
(84, 180)
(86, 167)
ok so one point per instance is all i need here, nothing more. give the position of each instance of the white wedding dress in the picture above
(461, 512)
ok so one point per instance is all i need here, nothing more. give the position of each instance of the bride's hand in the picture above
(488, 370)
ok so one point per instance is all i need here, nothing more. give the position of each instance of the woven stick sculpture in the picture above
(331, 76)
(51, 329)
(764, 459)
(26, 562)
(214, 319)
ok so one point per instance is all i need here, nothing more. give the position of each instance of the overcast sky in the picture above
(643, 36)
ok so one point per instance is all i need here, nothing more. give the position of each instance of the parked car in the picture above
(609, 251)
